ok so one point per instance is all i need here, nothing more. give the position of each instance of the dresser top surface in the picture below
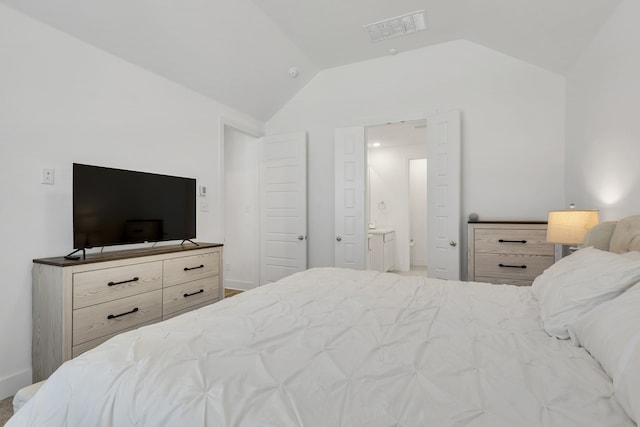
(125, 254)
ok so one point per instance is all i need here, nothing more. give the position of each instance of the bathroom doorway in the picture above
(418, 214)
(397, 197)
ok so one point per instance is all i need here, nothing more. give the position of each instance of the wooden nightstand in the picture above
(508, 252)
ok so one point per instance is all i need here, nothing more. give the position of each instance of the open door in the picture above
(443, 195)
(350, 228)
(283, 206)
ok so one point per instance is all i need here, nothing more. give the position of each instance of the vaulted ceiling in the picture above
(238, 52)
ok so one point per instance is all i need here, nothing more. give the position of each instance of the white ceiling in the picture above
(238, 51)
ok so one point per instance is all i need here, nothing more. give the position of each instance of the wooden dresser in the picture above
(514, 253)
(78, 305)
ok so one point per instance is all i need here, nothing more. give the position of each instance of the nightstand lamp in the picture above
(568, 227)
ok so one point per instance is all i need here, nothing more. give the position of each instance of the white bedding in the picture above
(331, 347)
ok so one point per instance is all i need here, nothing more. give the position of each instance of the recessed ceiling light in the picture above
(376, 144)
(293, 72)
(398, 26)
(393, 51)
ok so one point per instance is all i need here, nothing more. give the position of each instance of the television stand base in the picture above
(75, 258)
(190, 241)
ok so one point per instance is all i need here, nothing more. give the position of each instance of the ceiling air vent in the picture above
(399, 26)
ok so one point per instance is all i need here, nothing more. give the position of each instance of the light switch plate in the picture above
(48, 176)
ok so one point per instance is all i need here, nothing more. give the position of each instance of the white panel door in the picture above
(350, 229)
(443, 195)
(283, 206)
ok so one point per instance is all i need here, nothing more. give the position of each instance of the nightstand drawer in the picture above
(179, 297)
(519, 267)
(98, 286)
(503, 281)
(508, 252)
(186, 269)
(114, 316)
(510, 241)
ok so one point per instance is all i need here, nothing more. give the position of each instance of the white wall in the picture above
(603, 129)
(241, 233)
(512, 136)
(418, 211)
(63, 101)
(389, 183)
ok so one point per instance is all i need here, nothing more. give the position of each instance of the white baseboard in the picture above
(241, 285)
(10, 385)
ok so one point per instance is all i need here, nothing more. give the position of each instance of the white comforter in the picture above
(330, 347)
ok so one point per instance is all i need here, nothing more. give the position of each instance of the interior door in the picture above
(443, 195)
(283, 206)
(350, 228)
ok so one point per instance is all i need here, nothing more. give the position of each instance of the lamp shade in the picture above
(569, 227)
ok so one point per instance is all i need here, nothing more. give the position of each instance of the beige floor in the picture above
(231, 292)
(6, 410)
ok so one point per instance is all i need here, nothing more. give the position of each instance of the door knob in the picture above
(453, 243)
(339, 239)
(300, 237)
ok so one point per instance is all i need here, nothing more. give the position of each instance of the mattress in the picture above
(333, 347)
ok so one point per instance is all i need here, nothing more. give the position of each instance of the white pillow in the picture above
(627, 387)
(611, 333)
(579, 282)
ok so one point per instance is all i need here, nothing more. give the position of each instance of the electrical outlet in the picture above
(204, 206)
(48, 176)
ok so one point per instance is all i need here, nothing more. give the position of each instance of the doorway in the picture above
(241, 160)
(263, 204)
(418, 215)
(397, 192)
(444, 138)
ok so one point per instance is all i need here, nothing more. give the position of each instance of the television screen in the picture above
(115, 206)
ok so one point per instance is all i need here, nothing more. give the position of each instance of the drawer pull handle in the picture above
(512, 266)
(512, 241)
(135, 279)
(195, 293)
(193, 268)
(113, 316)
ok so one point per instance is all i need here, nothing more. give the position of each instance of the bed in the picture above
(335, 347)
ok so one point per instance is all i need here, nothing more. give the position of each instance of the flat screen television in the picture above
(115, 207)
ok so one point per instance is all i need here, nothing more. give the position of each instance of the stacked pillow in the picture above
(583, 297)
(611, 334)
(577, 283)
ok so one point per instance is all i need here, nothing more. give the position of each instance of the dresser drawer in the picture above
(505, 241)
(110, 317)
(88, 345)
(189, 268)
(179, 297)
(167, 316)
(519, 267)
(108, 284)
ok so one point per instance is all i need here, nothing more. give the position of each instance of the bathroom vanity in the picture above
(382, 248)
